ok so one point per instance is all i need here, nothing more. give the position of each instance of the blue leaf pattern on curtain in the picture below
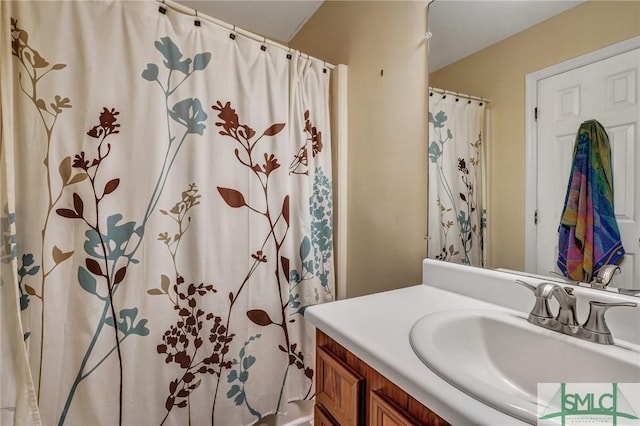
(163, 251)
(321, 206)
(456, 208)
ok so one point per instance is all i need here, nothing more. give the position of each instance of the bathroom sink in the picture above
(499, 358)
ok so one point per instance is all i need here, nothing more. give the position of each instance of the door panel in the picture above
(607, 91)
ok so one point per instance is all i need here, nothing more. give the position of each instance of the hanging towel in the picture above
(589, 237)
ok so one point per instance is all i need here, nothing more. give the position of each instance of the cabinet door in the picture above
(321, 418)
(339, 389)
(383, 412)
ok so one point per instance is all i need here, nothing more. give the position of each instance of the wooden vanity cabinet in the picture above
(384, 412)
(321, 418)
(339, 389)
(351, 393)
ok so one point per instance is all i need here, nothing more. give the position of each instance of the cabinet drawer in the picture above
(384, 412)
(340, 389)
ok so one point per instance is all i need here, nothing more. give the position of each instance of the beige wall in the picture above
(498, 73)
(387, 133)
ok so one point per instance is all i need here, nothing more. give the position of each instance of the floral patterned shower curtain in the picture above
(166, 217)
(457, 209)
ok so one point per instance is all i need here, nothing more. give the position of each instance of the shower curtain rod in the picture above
(459, 95)
(235, 30)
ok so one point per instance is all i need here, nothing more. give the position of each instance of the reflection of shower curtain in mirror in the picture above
(165, 217)
(457, 211)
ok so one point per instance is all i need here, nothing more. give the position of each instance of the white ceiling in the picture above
(462, 27)
(459, 27)
(278, 20)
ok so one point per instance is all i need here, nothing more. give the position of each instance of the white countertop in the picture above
(375, 328)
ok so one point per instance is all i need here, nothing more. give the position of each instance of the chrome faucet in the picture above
(594, 328)
(601, 281)
(567, 301)
(604, 276)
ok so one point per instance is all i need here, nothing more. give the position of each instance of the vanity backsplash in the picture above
(500, 287)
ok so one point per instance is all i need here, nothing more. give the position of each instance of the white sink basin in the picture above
(499, 358)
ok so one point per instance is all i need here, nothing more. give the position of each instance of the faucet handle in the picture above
(542, 293)
(527, 285)
(629, 291)
(596, 322)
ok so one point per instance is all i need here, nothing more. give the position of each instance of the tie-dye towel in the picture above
(589, 234)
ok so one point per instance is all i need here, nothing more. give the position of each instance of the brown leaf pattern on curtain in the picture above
(198, 343)
(36, 68)
(262, 168)
(104, 248)
(300, 163)
(183, 344)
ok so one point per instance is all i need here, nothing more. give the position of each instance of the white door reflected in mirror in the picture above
(607, 91)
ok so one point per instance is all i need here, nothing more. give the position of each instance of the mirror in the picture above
(496, 70)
